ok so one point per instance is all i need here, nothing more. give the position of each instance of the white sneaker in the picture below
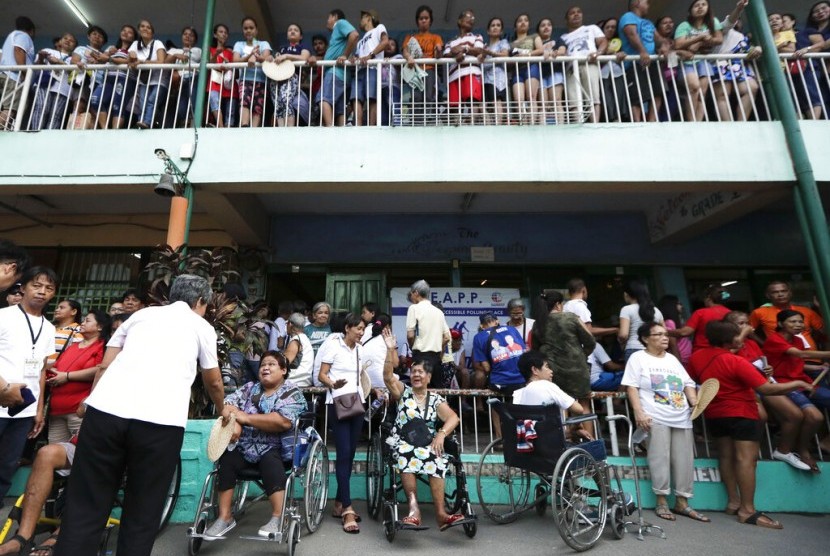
(218, 529)
(270, 528)
(792, 459)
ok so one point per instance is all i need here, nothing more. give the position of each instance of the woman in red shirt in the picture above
(732, 417)
(786, 352)
(70, 377)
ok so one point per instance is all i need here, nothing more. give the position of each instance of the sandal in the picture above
(755, 518)
(350, 526)
(450, 521)
(45, 549)
(663, 512)
(731, 510)
(412, 520)
(692, 514)
(336, 515)
(25, 544)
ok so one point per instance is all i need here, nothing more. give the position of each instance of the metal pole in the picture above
(811, 216)
(201, 82)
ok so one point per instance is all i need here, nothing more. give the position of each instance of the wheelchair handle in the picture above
(618, 418)
(581, 419)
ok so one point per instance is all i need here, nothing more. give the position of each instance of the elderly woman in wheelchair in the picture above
(418, 439)
(265, 413)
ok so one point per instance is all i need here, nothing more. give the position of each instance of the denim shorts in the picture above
(820, 398)
(703, 68)
(550, 80)
(331, 92)
(525, 71)
(365, 85)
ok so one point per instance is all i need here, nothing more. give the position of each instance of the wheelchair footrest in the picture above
(269, 538)
(409, 527)
(465, 521)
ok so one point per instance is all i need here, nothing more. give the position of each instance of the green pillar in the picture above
(201, 84)
(810, 211)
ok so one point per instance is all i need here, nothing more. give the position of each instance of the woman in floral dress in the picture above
(419, 440)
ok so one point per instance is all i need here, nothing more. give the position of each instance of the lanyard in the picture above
(32, 330)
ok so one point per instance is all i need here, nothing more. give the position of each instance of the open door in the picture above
(347, 292)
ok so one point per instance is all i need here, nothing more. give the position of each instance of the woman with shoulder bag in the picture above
(340, 373)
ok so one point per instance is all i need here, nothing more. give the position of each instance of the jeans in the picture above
(152, 105)
(346, 435)
(12, 440)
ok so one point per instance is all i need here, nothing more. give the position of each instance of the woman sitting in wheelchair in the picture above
(265, 412)
(419, 446)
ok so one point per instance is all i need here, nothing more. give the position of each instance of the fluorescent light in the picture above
(75, 10)
(483, 281)
(729, 283)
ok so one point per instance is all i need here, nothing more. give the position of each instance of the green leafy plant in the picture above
(239, 327)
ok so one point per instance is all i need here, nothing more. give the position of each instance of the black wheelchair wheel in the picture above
(172, 496)
(293, 536)
(195, 543)
(389, 527)
(316, 486)
(375, 470)
(503, 491)
(581, 499)
(470, 529)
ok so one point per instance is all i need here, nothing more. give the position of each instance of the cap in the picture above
(455, 333)
(373, 13)
(484, 318)
(15, 289)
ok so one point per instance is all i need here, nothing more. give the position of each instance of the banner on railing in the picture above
(462, 307)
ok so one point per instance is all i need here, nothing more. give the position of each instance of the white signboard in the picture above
(462, 307)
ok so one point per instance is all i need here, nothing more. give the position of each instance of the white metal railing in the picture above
(516, 91)
(476, 427)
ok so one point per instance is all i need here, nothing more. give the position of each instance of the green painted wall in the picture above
(780, 487)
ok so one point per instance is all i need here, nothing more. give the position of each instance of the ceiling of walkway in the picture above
(53, 17)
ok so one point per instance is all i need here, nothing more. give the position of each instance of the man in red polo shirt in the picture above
(780, 295)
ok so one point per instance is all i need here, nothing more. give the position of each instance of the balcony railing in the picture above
(515, 92)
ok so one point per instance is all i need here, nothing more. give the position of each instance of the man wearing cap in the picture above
(14, 295)
(426, 328)
(132, 423)
(370, 47)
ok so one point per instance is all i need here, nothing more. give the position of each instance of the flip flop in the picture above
(663, 512)
(450, 521)
(754, 520)
(350, 527)
(412, 520)
(25, 544)
(692, 514)
(730, 510)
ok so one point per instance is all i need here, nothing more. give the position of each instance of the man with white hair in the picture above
(135, 419)
(426, 328)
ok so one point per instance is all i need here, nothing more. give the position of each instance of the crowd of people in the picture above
(665, 82)
(80, 368)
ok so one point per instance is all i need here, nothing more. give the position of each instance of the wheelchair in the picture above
(384, 486)
(56, 501)
(309, 470)
(539, 468)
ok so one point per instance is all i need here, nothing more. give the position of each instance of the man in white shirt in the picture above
(587, 42)
(135, 419)
(369, 47)
(27, 338)
(13, 261)
(427, 331)
(578, 305)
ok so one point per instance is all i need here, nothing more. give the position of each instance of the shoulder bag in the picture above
(350, 405)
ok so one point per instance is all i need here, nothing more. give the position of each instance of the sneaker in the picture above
(271, 528)
(218, 529)
(792, 459)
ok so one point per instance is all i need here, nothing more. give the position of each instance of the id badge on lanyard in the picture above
(32, 365)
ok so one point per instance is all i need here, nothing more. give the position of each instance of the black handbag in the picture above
(416, 432)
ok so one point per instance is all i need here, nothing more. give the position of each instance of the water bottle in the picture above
(377, 404)
(639, 436)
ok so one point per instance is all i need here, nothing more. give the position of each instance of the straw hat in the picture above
(278, 72)
(708, 391)
(220, 437)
